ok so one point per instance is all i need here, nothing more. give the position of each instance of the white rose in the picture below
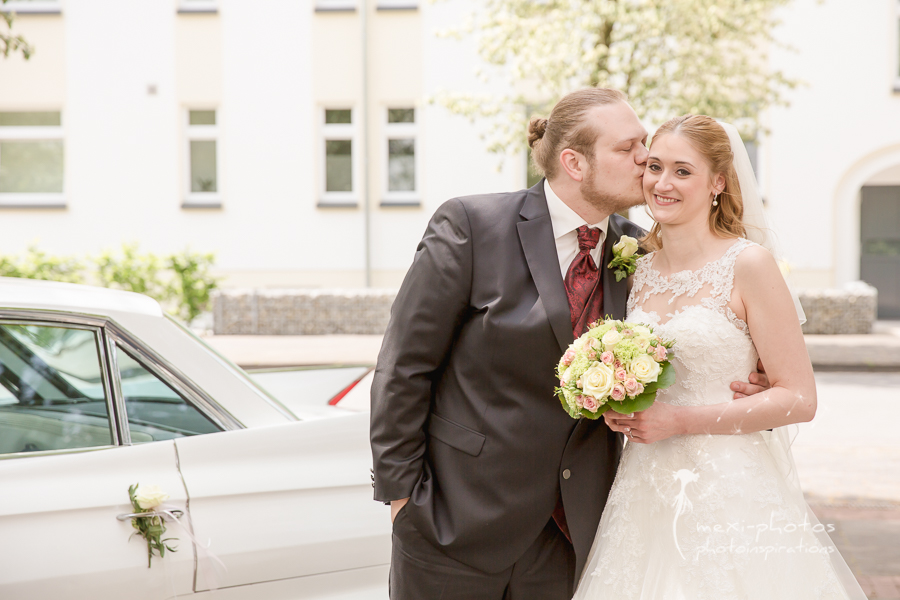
(645, 369)
(611, 338)
(150, 496)
(598, 380)
(641, 332)
(626, 245)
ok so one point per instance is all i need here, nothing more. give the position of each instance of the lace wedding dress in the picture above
(716, 517)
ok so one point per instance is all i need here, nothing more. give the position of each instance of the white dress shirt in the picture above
(565, 223)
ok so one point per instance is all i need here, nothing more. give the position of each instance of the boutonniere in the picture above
(625, 257)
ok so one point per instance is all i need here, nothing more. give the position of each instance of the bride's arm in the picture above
(768, 309)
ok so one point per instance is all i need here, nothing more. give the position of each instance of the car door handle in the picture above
(161, 515)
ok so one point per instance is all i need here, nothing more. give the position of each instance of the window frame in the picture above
(42, 7)
(400, 131)
(111, 334)
(326, 6)
(896, 21)
(35, 133)
(339, 132)
(201, 133)
(397, 5)
(198, 6)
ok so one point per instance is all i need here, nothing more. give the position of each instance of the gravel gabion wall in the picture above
(301, 312)
(851, 309)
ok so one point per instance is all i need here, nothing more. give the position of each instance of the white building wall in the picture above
(841, 128)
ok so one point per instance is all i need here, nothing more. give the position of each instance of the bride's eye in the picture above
(684, 172)
(654, 167)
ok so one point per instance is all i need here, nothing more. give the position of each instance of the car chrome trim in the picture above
(112, 362)
(182, 384)
(54, 452)
(162, 515)
(239, 372)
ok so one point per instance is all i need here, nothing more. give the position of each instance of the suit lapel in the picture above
(536, 237)
(615, 293)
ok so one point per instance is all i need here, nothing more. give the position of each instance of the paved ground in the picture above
(848, 458)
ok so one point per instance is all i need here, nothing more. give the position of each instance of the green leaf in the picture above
(632, 405)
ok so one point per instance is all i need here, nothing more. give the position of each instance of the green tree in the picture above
(9, 42)
(671, 57)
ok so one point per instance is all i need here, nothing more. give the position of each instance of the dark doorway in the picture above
(880, 252)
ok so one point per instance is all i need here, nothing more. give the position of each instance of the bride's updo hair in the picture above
(567, 128)
(708, 138)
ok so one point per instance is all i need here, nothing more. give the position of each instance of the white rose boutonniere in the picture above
(625, 257)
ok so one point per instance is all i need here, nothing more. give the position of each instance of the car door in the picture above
(290, 504)
(64, 476)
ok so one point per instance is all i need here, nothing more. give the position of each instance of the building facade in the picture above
(295, 138)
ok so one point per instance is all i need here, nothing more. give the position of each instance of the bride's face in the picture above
(678, 183)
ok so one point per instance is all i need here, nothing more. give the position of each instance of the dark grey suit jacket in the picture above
(464, 418)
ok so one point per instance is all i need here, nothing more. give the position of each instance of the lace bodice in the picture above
(712, 345)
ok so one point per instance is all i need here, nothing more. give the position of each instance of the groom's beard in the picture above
(604, 202)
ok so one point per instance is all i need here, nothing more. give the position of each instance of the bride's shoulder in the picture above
(753, 263)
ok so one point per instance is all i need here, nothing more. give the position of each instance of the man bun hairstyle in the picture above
(567, 127)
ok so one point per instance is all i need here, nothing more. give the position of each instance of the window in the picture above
(335, 5)
(897, 54)
(338, 166)
(156, 411)
(400, 172)
(52, 391)
(203, 164)
(31, 159)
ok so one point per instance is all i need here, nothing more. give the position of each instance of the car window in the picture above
(52, 395)
(155, 410)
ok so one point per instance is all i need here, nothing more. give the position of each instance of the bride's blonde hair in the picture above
(708, 138)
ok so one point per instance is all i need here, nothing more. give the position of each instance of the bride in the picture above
(706, 501)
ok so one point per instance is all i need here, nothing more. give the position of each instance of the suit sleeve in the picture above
(425, 317)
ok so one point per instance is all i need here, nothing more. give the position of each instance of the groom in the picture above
(495, 492)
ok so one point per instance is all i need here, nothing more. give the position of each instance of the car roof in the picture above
(70, 297)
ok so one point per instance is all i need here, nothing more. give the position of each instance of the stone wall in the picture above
(848, 310)
(301, 312)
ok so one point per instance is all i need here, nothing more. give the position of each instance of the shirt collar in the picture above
(563, 219)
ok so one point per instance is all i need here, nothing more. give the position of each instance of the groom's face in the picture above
(613, 180)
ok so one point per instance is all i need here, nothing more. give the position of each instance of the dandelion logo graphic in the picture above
(682, 503)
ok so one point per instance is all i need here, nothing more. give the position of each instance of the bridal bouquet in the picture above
(617, 365)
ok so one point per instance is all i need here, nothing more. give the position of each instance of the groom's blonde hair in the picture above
(708, 138)
(567, 127)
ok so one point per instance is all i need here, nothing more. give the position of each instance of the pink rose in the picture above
(631, 386)
(578, 383)
(628, 332)
(661, 353)
(618, 392)
(640, 389)
(562, 383)
(621, 374)
(608, 357)
(591, 403)
(592, 355)
(619, 364)
(579, 402)
(568, 357)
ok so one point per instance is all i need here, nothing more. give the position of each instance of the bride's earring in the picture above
(716, 199)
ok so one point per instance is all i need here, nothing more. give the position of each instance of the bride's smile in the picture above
(679, 186)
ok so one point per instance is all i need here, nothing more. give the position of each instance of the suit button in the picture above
(567, 473)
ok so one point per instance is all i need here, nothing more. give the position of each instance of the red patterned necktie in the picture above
(583, 287)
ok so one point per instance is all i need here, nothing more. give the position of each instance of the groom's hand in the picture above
(759, 382)
(396, 505)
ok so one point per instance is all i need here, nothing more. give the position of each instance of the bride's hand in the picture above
(655, 424)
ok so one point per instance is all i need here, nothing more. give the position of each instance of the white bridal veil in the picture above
(759, 230)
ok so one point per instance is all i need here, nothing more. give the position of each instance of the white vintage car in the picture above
(98, 391)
